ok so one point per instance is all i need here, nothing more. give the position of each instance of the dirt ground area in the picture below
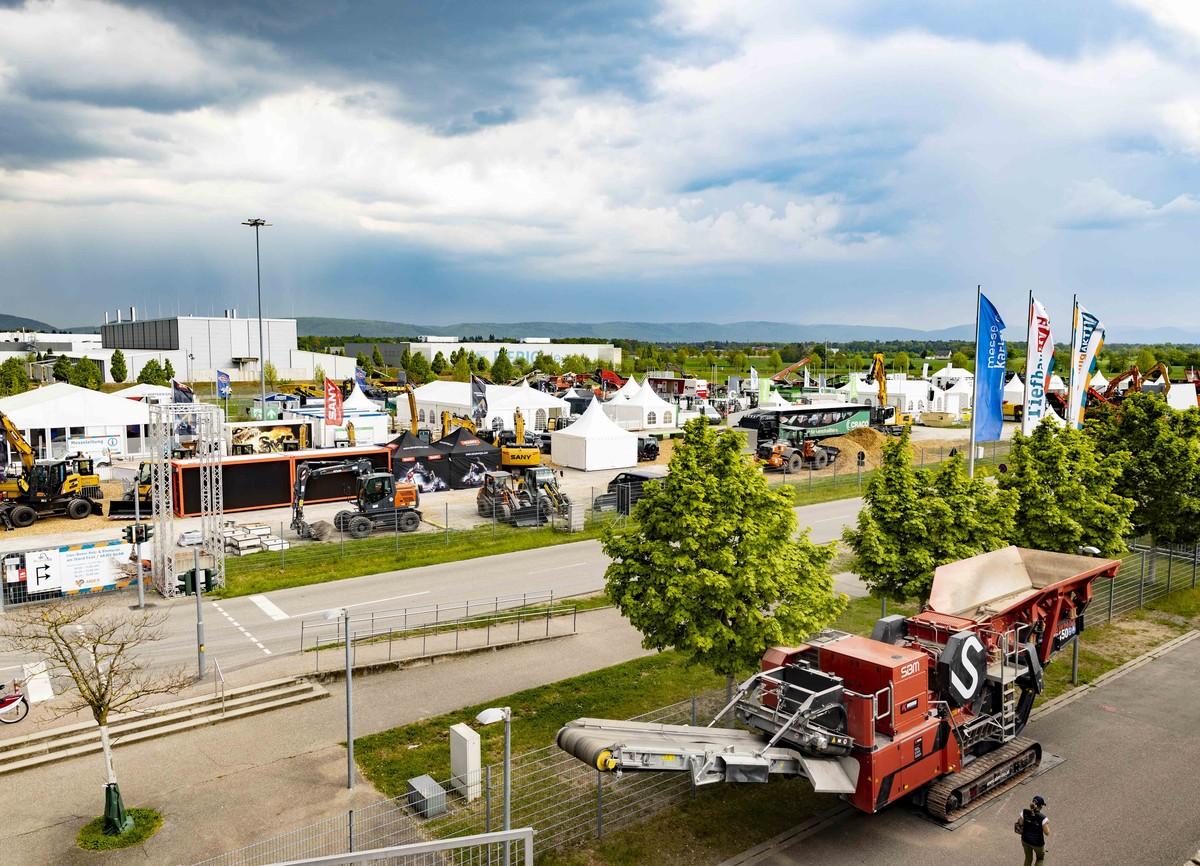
(57, 525)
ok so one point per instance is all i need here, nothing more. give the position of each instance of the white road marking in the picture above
(361, 603)
(268, 607)
(557, 568)
(234, 623)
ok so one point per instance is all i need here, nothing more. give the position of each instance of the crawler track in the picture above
(982, 780)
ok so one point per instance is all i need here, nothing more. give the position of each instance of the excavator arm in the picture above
(449, 422)
(878, 375)
(1133, 374)
(17, 442)
(1164, 376)
(782, 376)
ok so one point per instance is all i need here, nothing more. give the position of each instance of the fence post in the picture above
(1170, 561)
(487, 799)
(446, 531)
(1075, 661)
(282, 547)
(1142, 582)
(599, 805)
(693, 725)
(1112, 588)
(351, 829)
(1195, 559)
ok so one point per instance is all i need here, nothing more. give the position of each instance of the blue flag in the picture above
(991, 359)
(181, 393)
(224, 386)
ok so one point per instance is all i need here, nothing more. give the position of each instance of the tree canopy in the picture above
(1162, 474)
(116, 366)
(13, 378)
(152, 373)
(712, 565)
(439, 364)
(62, 369)
(502, 368)
(914, 520)
(1066, 492)
(86, 374)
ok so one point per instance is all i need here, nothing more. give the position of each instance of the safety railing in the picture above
(478, 849)
(219, 684)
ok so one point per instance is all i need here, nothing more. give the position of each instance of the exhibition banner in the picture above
(333, 403)
(92, 567)
(1039, 366)
(991, 357)
(181, 393)
(753, 379)
(1087, 338)
(42, 572)
(479, 406)
(360, 376)
(95, 446)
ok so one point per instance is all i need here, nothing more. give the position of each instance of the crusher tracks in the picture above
(983, 779)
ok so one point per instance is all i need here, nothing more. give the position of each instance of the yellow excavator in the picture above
(449, 422)
(66, 487)
(887, 418)
(515, 450)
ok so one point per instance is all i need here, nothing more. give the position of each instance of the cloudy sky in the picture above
(824, 161)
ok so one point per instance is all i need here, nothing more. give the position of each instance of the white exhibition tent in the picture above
(1182, 396)
(60, 419)
(644, 410)
(1014, 391)
(440, 396)
(356, 401)
(594, 442)
(372, 425)
(1098, 381)
(951, 375)
(775, 401)
(1057, 385)
(149, 393)
(627, 390)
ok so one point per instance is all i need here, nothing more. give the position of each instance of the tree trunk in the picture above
(109, 776)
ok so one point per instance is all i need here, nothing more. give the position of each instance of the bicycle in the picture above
(14, 706)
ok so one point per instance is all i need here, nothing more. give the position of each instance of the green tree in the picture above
(712, 565)
(502, 369)
(439, 364)
(482, 365)
(1065, 490)
(775, 362)
(521, 366)
(1146, 359)
(576, 364)
(363, 362)
(546, 363)
(318, 374)
(1163, 472)
(377, 358)
(152, 373)
(169, 369)
(116, 366)
(13, 378)
(959, 359)
(462, 369)
(914, 520)
(903, 362)
(62, 369)
(86, 374)
(270, 374)
(418, 369)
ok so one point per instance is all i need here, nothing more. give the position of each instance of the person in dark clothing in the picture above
(1034, 828)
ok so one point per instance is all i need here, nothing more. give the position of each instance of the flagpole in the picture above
(1029, 343)
(975, 383)
(1071, 355)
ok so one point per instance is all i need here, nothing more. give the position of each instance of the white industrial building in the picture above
(198, 346)
(528, 348)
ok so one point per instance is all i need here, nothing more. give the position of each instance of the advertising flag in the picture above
(991, 357)
(181, 393)
(333, 403)
(360, 376)
(1039, 365)
(224, 386)
(1086, 341)
(479, 407)
(753, 379)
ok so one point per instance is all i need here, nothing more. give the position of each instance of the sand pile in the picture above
(865, 439)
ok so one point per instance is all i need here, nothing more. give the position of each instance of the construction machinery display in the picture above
(67, 487)
(929, 709)
(526, 500)
(380, 502)
(885, 418)
(516, 450)
(796, 455)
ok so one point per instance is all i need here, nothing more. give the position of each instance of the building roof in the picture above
(64, 405)
(141, 389)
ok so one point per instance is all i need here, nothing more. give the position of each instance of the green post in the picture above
(116, 819)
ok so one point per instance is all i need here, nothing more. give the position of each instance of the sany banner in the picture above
(333, 403)
(181, 393)
(224, 385)
(1087, 338)
(1039, 366)
(991, 357)
(479, 406)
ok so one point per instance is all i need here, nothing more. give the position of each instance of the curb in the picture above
(1133, 664)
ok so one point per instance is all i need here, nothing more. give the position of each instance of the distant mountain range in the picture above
(665, 332)
(17, 323)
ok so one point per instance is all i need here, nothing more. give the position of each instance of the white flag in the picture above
(1087, 338)
(1039, 362)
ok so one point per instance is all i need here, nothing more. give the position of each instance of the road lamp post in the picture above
(344, 614)
(489, 717)
(262, 350)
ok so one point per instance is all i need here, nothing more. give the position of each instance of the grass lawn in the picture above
(146, 823)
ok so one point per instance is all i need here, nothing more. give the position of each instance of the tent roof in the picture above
(64, 405)
(463, 440)
(646, 398)
(355, 400)
(141, 389)
(498, 396)
(408, 445)
(1098, 380)
(627, 390)
(594, 424)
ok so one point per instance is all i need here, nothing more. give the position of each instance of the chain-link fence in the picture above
(1146, 575)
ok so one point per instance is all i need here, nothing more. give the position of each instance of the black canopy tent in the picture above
(419, 462)
(469, 456)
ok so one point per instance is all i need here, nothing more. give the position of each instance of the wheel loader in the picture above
(66, 487)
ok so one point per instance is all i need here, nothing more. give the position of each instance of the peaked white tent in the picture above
(775, 401)
(439, 396)
(1057, 385)
(149, 393)
(627, 390)
(1098, 381)
(645, 410)
(357, 401)
(59, 419)
(594, 442)
(1014, 391)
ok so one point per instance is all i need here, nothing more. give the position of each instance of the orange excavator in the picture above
(783, 377)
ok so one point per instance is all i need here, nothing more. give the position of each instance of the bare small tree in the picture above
(98, 658)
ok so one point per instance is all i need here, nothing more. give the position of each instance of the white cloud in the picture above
(1178, 17)
(1095, 204)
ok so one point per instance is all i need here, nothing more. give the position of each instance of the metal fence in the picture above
(501, 848)
(1146, 575)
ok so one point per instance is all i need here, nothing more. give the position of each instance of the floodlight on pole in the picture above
(491, 716)
(332, 615)
(262, 351)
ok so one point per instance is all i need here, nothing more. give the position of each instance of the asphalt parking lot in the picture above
(1126, 792)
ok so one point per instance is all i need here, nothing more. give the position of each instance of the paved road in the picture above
(1125, 794)
(245, 630)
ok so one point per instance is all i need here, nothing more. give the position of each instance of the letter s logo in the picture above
(962, 667)
(971, 656)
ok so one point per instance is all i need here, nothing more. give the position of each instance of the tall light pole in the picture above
(489, 717)
(344, 615)
(262, 349)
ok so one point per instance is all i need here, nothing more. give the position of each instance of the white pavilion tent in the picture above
(594, 442)
(1014, 391)
(775, 401)
(439, 396)
(1098, 381)
(1057, 385)
(60, 419)
(148, 393)
(645, 410)
(627, 390)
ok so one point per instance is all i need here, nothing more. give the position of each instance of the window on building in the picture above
(421, 415)
(497, 423)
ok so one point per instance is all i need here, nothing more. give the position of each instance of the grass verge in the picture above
(146, 823)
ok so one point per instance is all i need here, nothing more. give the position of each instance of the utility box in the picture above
(465, 762)
(426, 797)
